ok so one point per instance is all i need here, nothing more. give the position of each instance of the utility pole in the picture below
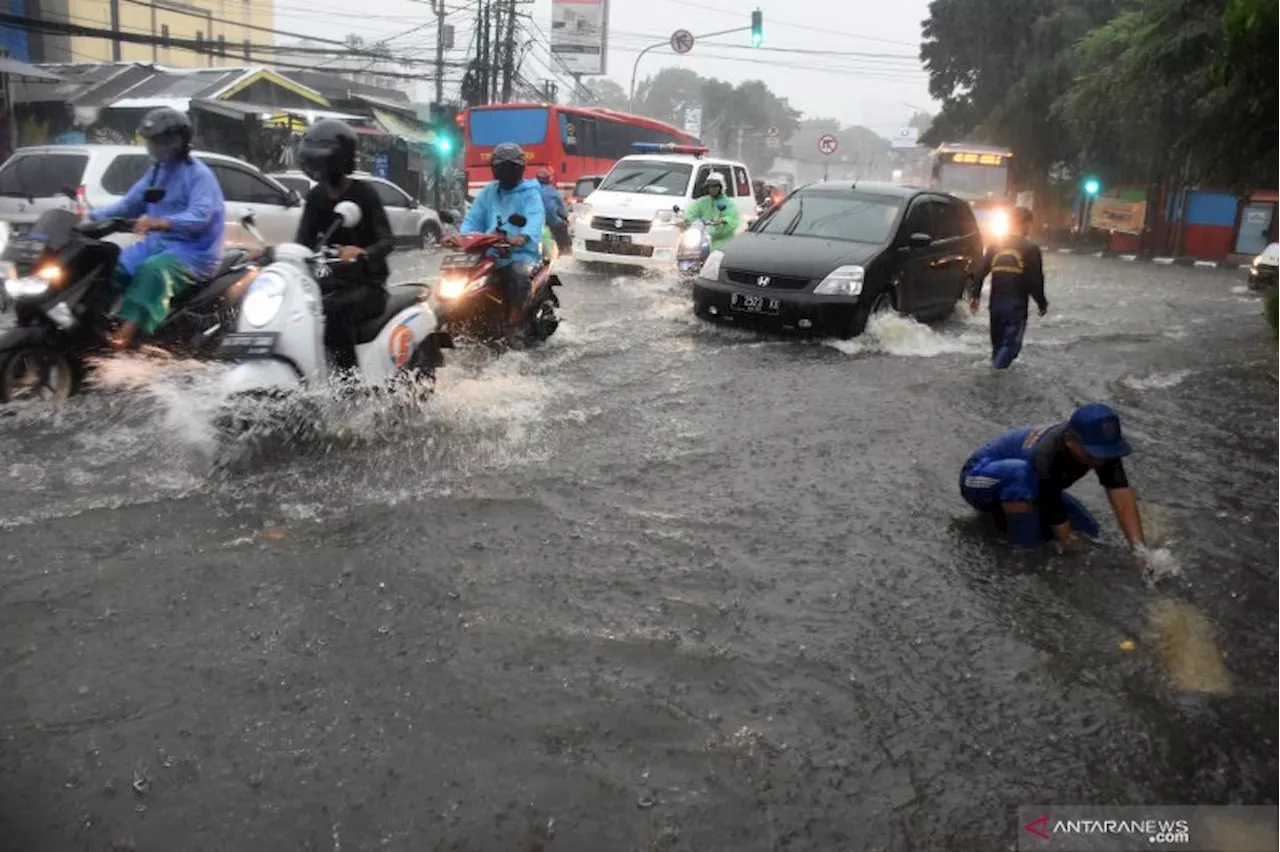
(495, 47)
(115, 31)
(439, 170)
(509, 59)
(740, 142)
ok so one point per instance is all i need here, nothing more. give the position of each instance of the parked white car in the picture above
(34, 180)
(1265, 270)
(630, 219)
(414, 224)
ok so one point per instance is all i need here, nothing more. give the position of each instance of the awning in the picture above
(405, 129)
(272, 116)
(22, 69)
(180, 104)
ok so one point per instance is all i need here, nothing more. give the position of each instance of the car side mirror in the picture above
(518, 220)
(70, 192)
(153, 194)
(349, 212)
(920, 240)
(447, 217)
(292, 198)
(413, 204)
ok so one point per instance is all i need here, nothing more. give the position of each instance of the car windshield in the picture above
(649, 176)
(850, 217)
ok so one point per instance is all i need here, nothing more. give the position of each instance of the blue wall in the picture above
(13, 39)
(1205, 207)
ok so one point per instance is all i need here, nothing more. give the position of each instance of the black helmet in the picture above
(507, 165)
(327, 152)
(167, 133)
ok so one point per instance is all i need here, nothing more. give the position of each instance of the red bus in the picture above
(574, 142)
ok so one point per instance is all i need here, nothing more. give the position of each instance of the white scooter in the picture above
(278, 343)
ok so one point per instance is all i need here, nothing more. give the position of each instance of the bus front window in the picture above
(523, 126)
(974, 180)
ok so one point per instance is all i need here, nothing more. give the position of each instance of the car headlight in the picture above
(664, 217)
(711, 268)
(842, 281)
(583, 211)
(1257, 261)
(691, 239)
(30, 287)
(263, 301)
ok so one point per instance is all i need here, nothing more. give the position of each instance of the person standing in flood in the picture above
(1016, 268)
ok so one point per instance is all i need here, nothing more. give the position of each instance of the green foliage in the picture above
(1271, 309)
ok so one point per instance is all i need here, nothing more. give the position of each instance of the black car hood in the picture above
(800, 257)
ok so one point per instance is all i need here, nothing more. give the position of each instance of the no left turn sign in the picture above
(682, 41)
(827, 144)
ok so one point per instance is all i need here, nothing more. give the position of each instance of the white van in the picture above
(630, 219)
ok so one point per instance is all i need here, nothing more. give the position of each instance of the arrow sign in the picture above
(827, 144)
(682, 41)
(773, 130)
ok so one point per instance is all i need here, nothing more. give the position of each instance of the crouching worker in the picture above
(1021, 478)
(181, 231)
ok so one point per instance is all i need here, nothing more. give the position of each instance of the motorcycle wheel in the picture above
(32, 374)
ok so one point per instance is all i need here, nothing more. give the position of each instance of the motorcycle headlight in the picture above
(998, 224)
(843, 281)
(451, 288)
(691, 239)
(711, 268)
(664, 217)
(263, 301)
(30, 287)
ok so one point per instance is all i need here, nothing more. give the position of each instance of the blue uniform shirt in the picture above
(192, 203)
(493, 203)
(553, 204)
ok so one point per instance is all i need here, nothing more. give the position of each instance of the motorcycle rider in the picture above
(181, 233)
(715, 210)
(356, 292)
(510, 193)
(556, 212)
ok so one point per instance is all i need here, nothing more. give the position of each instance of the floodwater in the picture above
(659, 585)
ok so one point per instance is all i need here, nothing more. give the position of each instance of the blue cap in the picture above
(1096, 427)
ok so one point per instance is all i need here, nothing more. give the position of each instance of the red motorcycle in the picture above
(469, 300)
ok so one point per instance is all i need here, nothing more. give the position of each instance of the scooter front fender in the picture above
(23, 336)
(265, 375)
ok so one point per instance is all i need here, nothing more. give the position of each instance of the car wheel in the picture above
(886, 301)
(429, 236)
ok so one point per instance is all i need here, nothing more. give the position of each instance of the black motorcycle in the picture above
(58, 278)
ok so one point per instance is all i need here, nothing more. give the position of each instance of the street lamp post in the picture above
(631, 97)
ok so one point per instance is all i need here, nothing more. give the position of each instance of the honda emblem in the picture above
(763, 281)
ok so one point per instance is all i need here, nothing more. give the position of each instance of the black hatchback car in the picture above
(834, 253)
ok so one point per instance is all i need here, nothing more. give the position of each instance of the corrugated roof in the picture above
(163, 84)
(335, 86)
(75, 81)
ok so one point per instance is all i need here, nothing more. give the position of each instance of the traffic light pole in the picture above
(631, 98)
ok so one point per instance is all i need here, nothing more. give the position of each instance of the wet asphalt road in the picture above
(657, 586)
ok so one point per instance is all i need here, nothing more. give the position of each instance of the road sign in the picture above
(827, 144)
(774, 131)
(382, 165)
(693, 120)
(682, 41)
(905, 137)
(773, 142)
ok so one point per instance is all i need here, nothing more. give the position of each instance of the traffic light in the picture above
(444, 144)
(444, 123)
(1091, 186)
(757, 28)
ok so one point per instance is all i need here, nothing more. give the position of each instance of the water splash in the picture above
(895, 334)
(1156, 381)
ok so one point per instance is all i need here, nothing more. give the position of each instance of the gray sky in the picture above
(879, 91)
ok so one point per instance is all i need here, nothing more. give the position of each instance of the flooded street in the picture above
(659, 585)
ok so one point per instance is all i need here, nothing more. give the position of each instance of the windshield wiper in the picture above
(791, 228)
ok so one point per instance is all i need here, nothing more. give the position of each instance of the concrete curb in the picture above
(1159, 261)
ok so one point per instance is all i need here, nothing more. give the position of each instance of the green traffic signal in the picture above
(757, 28)
(1091, 186)
(444, 144)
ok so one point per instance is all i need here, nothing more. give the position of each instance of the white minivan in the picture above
(631, 219)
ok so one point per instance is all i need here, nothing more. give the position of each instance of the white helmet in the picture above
(715, 177)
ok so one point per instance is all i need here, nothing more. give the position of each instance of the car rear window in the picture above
(656, 177)
(41, 175)
(834, 216)
(124, 172)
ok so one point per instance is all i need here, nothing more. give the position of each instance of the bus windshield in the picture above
(651, 176)
(521, 125)
(975, 180)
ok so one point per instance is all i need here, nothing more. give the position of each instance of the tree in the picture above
(606, 93)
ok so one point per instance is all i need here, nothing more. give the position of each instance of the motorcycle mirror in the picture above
(518, 220)
(153, 194)
(349, 212)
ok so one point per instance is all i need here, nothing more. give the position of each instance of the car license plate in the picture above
(253, 344)
(619, 239)
(754, 304)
